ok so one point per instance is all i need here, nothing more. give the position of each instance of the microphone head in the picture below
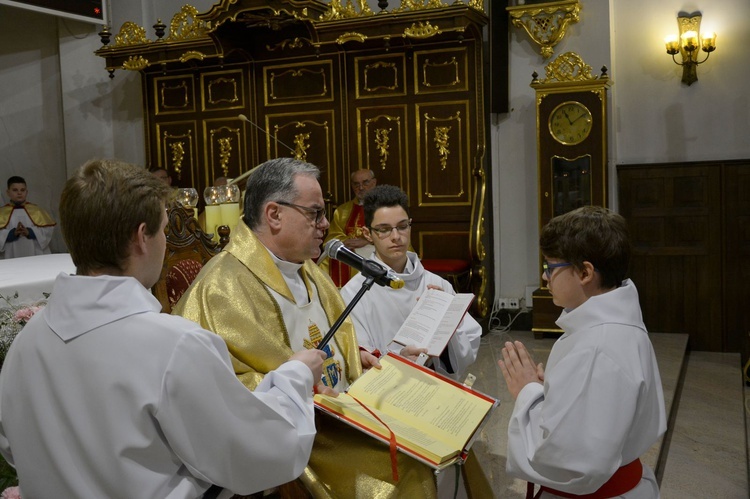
(332, 247)
(396, 282)
(243, 117)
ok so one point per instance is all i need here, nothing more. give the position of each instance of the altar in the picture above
(32, 276)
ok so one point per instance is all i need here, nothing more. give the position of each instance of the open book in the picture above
(433, 321)
(433, 418)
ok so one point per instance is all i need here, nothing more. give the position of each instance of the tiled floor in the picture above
(707, 454)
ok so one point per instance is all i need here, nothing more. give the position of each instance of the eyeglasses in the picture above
(384, 231)
(364, 183)
(550, 267)
(320, 213)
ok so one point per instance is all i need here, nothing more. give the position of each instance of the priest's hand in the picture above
(518, 368)
(411, 352)
(325, 390)
(313, 359)
(369, 360)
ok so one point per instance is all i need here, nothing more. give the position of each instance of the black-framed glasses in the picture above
(550, 267)
(320, 213)
(384, 231)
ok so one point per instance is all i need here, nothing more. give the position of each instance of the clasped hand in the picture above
(21, 230)
(518, 368)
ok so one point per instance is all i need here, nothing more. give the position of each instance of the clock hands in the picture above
(578, 118)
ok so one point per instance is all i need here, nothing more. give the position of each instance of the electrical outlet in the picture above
(514, 303)
(502, 304)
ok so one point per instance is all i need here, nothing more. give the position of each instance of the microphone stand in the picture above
(371, 270)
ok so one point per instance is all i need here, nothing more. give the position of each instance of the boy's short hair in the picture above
(383, 196)
(15, 179)
(590, 234)
(101, 207)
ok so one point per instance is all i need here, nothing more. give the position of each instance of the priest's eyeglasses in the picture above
(384, 231)
(550, 267)
(364, 183)
(320, 213)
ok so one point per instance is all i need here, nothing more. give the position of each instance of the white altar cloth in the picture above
(32, 276)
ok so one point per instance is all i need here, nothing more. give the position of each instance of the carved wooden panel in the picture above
(223, 90)
(177, 151)
(225, 148)
(443, 167)
(441, 70)
(173, 94)
(298, 83)
(382, 143)
(309, 136)
(382, 75)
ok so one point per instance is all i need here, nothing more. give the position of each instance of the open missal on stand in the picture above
(433, 418)
(432, 321)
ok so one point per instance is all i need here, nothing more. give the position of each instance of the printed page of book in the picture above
(433, 320)
(431, 415)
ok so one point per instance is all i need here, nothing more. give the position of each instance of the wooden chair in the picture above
(188, 249)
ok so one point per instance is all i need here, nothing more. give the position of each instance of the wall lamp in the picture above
(687, 44)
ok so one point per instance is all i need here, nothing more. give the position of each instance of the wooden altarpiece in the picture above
(399, 91)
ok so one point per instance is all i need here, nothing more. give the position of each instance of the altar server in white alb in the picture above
(382, 310)
(101, 395)
(25, 228)
(580, 426)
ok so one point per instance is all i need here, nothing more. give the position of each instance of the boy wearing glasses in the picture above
(580, 426)
(382, 310)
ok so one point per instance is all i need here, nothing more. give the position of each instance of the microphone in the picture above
(247, 120)
(384, 277)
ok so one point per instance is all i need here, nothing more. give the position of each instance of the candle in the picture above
(213, 220)
(230, 215)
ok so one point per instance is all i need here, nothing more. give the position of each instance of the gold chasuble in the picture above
(231, 297)
(37, 215)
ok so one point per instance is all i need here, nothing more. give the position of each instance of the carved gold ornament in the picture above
(300, 146)
(131, 34)
(381, 143)
(545, 23)
(338, 11)
(135, 63)
(185, 26)
(441, 143)
(421, 30)
(225, 152)
(567, 67)
(178, 156)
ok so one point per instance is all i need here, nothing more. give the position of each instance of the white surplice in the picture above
(103, 396)
(382, 310)
(601, 405)
(24, 246)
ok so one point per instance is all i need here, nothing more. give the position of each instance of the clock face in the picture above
(570, 123)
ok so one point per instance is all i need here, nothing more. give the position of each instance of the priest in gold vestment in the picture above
(346, 226)
(266, 297)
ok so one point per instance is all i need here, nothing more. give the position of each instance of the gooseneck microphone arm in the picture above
(366, 285)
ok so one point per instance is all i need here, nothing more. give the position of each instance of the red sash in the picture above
(625, 479)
